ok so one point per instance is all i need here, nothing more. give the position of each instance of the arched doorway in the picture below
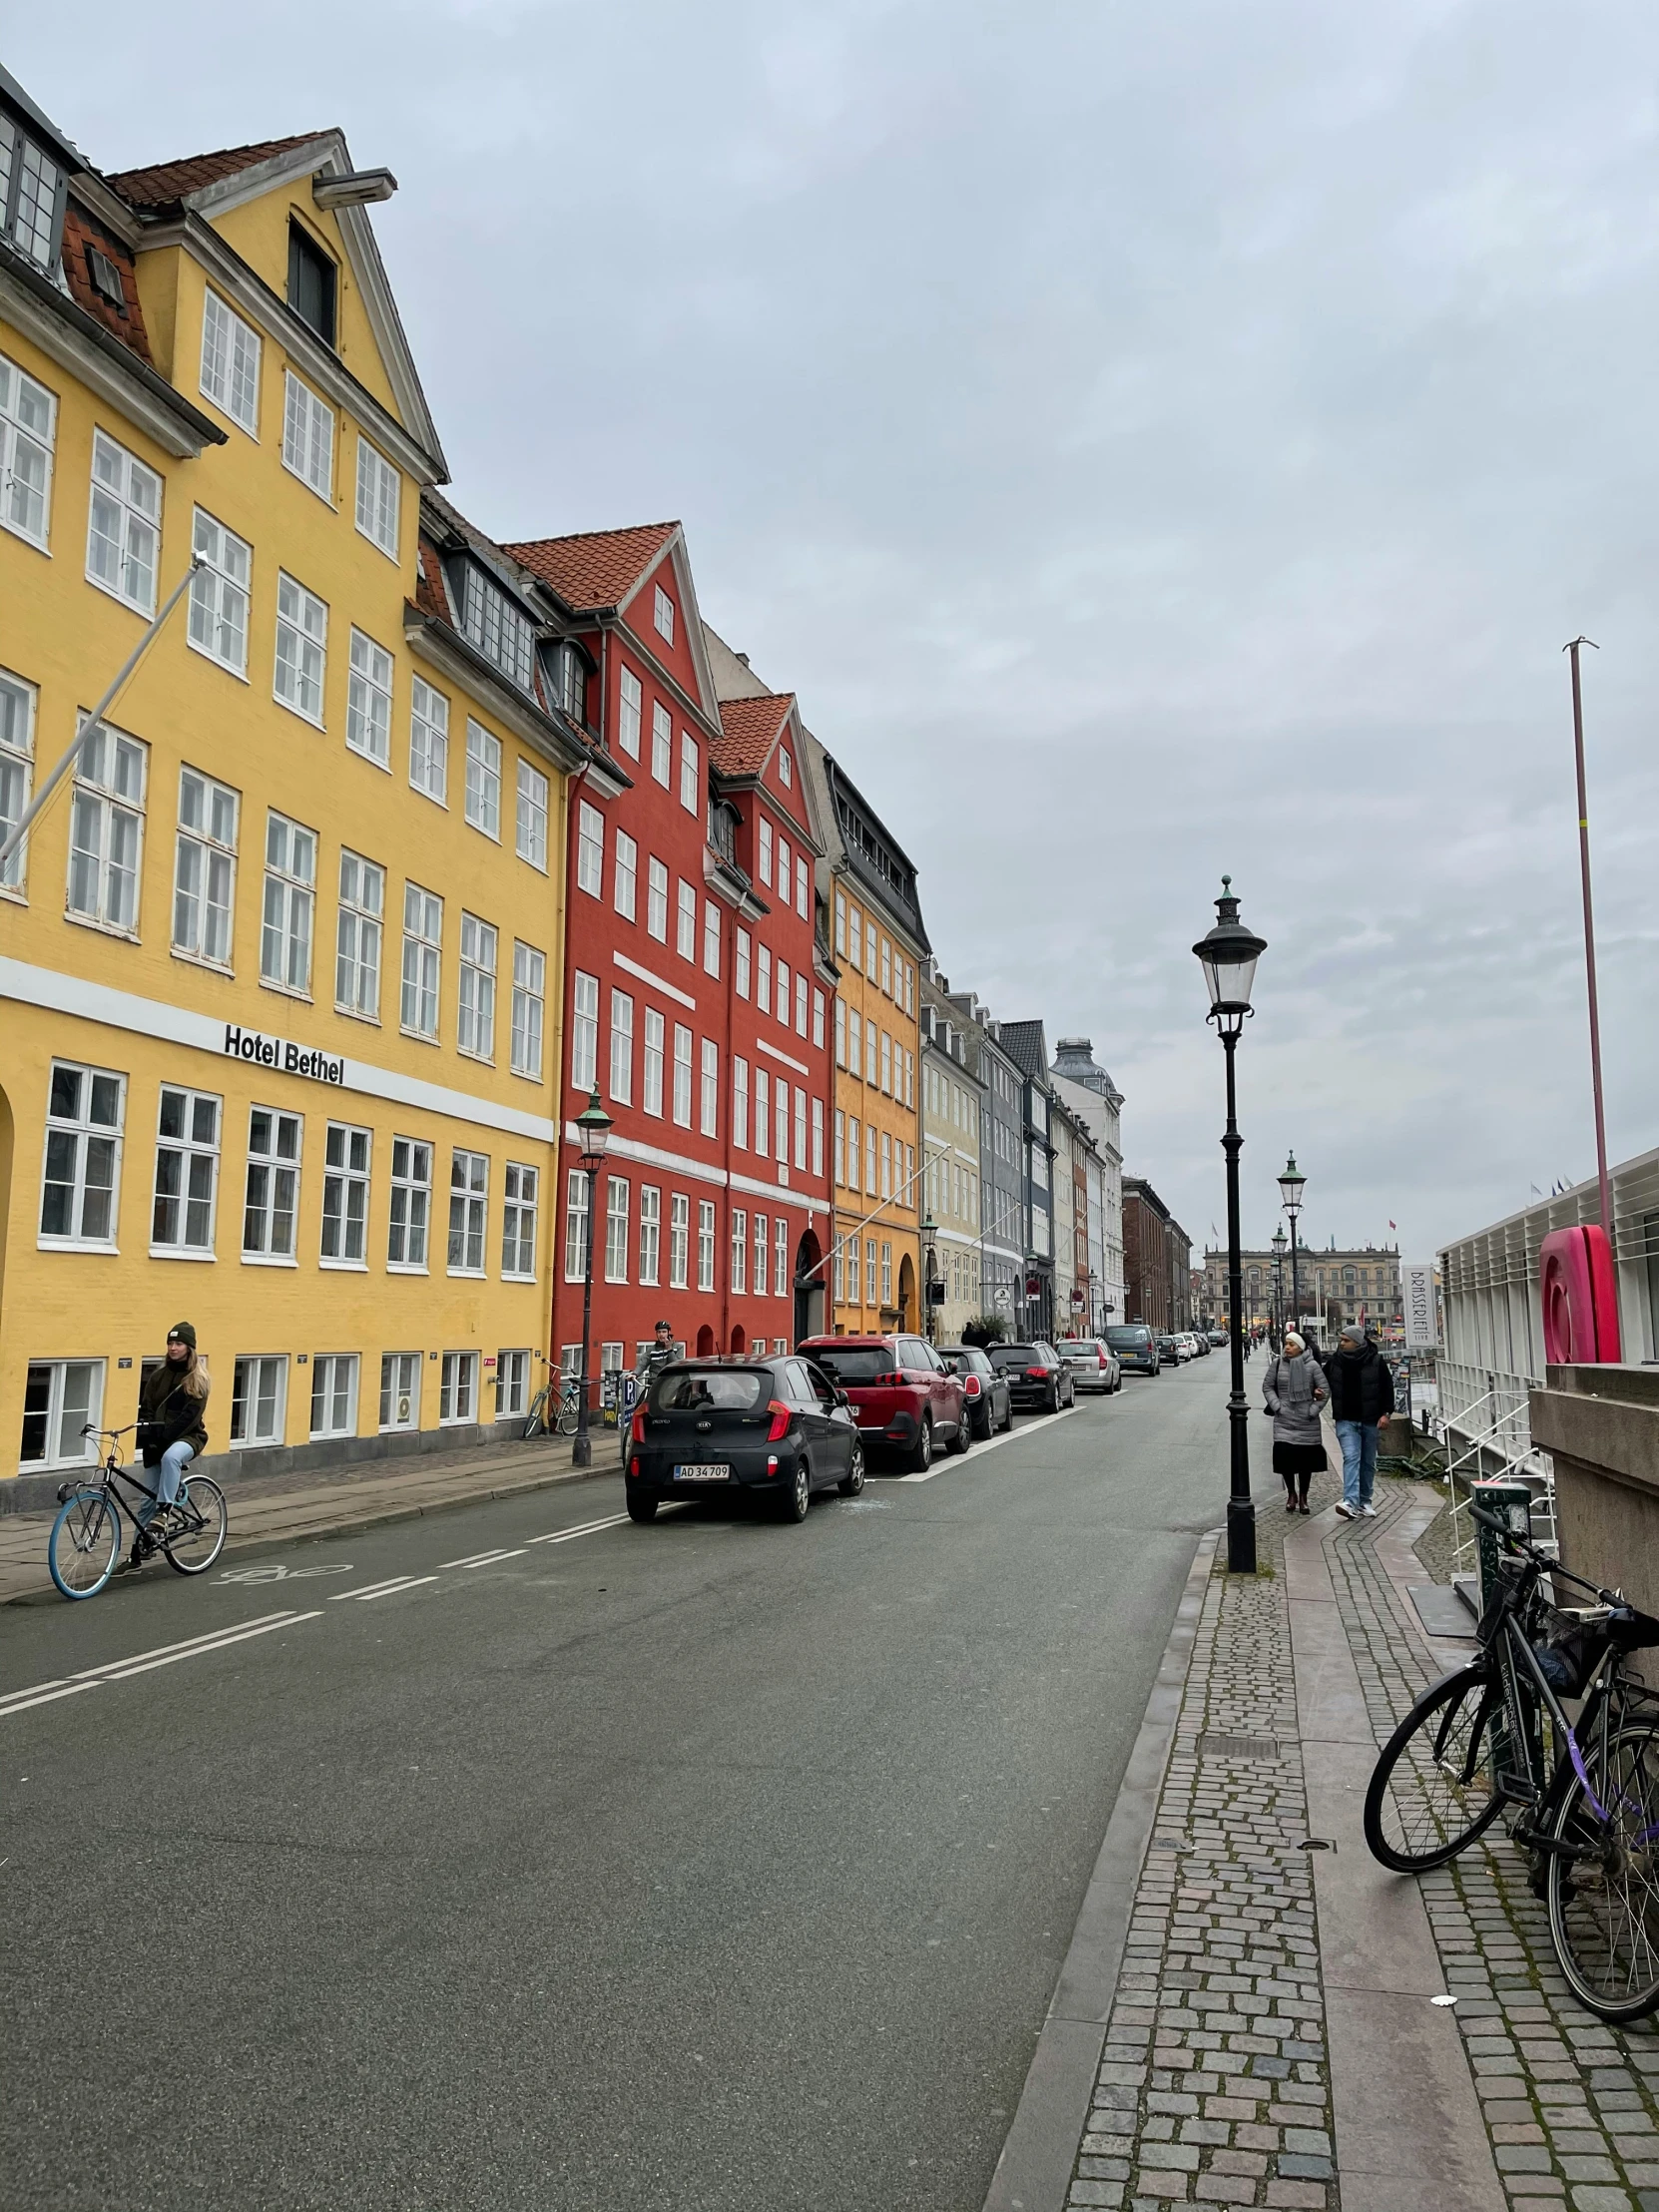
(739, 1342)
(907, 1292)
(705, 1343)
(809, 1287)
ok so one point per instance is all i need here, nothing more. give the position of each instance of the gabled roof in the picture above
(164, 184)
(597, 571)
(750, 731)
(1026, 1046)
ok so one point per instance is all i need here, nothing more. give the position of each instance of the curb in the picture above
(1034, 2171)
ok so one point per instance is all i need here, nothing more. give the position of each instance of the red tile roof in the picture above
(431, 593)
(749, 729)
(598, 568)
(79, 232)
(164, 181)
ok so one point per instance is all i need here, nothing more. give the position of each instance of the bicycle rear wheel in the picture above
(84, 1543)
(567, 1418)
(1432, 1790)
(535, 1421)
(1602, 1885)
(196, 1533)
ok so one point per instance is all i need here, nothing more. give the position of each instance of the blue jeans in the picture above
(174, 1459)
(1359, 1442)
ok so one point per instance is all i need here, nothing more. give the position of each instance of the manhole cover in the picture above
(1222, 1746)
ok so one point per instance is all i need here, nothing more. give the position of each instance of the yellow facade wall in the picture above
(886, 1001)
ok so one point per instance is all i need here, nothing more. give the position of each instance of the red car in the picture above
(908, 1402)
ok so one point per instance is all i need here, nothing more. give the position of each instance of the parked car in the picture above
(1136, 1346)
(1201, 1343)
(779, 1427)
(1036, 1376)
(1218, 1339)
(1166, 1350)
(1091, 1363)
(906, 1400)
(990, 1407)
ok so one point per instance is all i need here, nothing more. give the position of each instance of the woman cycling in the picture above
(171, 1431)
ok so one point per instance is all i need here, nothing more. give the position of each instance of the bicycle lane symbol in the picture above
(279, 1574)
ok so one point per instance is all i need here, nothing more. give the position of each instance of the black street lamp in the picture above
(1278, 1241)
(929, 1265)
(1228, 957)
(1289, 1197)
(595, 1125)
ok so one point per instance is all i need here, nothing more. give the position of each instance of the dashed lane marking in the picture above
(165, 1655)
(964, 1461)
(382, 1589)
(479, 1559)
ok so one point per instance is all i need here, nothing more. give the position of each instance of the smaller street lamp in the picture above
(930, 1264)
(595, 1126)
(1289, 1197)
(1278, 1243)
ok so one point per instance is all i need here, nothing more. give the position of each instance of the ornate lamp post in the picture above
(930, 1265)
(1289, 1197)
(595, 1125)
(1279, 1279)
(1228, 955)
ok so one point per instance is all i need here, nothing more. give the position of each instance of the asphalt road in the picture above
(718, 1862)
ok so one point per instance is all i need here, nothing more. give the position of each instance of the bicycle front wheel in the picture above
(1432, 1790)
(534, 1420)
(1602, 1885)
(567, 1420)
(84, 1543)
(195, 1534)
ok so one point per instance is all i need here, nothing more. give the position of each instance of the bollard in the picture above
(1512, 1503)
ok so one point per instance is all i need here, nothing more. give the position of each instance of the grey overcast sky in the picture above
(1151, 440)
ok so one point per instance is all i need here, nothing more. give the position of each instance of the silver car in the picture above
(1092, 1363)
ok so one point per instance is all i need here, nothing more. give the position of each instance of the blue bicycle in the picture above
(86, 1537)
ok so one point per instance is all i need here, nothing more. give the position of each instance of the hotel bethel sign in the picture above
(282, 1055)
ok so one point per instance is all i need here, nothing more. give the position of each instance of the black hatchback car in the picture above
(988, 1399)
(709, 1426)
(1037, 1375)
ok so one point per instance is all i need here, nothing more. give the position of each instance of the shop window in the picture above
(333, 1393)
(61, 1398)
(459, 1388)
(513, 1384)
(400, 1389)
(82, 1167)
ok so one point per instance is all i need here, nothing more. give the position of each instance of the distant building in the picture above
(1028, 1045)
(952, 1117)
(1091, 1095)
(1334, 1287)
(1157, 1258)
(1001, 1169)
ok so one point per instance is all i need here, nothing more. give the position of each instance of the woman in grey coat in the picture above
(1294, 1389)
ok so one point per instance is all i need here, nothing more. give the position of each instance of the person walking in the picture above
(1294, 1389)
(170, 1430)
(1361, 1394)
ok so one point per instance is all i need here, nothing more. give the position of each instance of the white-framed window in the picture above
(710, 1120)
(886, 1065)
(685, 932)
(870, 1158)
(590, 849)
(689, 759)
(679, 1239)
(625, 875)
(457, 1389)
(529, 1000)
(205, 868)
(400, 1389)
(853, 1152)
(60, 1398)
(259, 1401)
(800, 905)
(784, 871)
(742, 960)
(483, 780)
(817, 1136)
(841, 1147)
(762, 1247)
(530, 822)
(362, 905)
(662, 743)
(368, 700)
(838, 1269)
(651, 1063)
(762, 1113)
(739, 1104)
(765, 851)
(909, 988)
(347, 1152)
(616, 1228)
(230, 364)
(886, 1165)
(786, 772)
(187, 1172)
(106, 830)
(818, 1022)
(886, 1273)
(628, 717)
(854, 1287)
(411, 1205)
(469, 1189)
(762, 978)
(17, 758)
(705, 1244)
(475, 1013)
(301, 648)
(887, 968)
(661, 614)
(289, 897)
(784, 992)
(422, 960)
(911, 1082)
(219, 594)
(584, 1031)
(270, 1194)
(739, 1252)
(800, 1006)
(873, 1039)
(333, 1394)
(428, 741)
(681, 1075)
(711, 938)
(497, 628)
(781, 1103)
(521, 1188)
(622, 1049)
(576, 1225)
(81, 1164)
(307, 437)
(855, 937)
(28, 437)
(123, 524)
(656, 900)
(513, 1384)
(379, 497)
(651, 1231)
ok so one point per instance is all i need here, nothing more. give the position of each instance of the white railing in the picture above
(1484, 1421)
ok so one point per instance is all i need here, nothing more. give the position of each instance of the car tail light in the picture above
(970, 1387)
(1103, 1362)
(636, 1427)
(1037, 1374)
(782, 1415)
(633, 1466)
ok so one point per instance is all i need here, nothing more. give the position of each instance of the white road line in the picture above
(391, 1589)
(190, 1643)
(476, 1559)
(588, 1529)
(493, 1558)
(966, 1459)
(392, 1582)
(20, 1704)
(202, 1651)
(165, 1655)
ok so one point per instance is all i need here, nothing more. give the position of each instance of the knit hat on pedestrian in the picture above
(1292, 1341)
(1353, 1333)
(185, 1332)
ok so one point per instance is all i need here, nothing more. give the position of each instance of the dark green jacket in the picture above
(171, 1413)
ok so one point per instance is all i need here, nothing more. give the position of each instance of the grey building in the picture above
(1001, 1169)
(1096, 1100)
(952, 1106)
(1028, 1046)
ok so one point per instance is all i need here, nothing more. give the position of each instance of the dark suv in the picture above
(906, 1398)
(1037, 1375)
(707, 1426)
(1136, 1346)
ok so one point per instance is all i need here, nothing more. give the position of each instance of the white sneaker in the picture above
(1343, 1507)
(1369, 1511)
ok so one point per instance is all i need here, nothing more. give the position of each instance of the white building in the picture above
(1091, 1095)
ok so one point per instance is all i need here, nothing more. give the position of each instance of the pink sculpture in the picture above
(1580, 1297)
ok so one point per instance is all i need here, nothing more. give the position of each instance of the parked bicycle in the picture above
(1496, 1733)
(612, 1391)
(86, 1537)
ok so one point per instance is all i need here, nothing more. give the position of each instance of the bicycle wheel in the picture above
(1602, 1886)
(84, 1543)
(567, 1418)
(534, 1422)
(1432, 1790)
(194, 1534)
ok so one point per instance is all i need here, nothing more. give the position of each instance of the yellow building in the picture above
(279, 960)
(877, 941)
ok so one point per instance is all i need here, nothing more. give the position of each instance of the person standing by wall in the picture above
(1294, 1390)
(1361, 1394)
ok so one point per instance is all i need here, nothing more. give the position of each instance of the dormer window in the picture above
(105, 280)
(785, 767)
(573, 685)
(31, 197)
(313, 282)
(663, 615)
(496, 627)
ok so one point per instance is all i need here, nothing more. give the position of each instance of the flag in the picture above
(1393, 1225)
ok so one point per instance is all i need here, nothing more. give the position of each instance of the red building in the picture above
(696, 992)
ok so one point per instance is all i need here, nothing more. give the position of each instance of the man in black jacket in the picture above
(1362, 1392)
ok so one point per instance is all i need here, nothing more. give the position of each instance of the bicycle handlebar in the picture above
(92, 1430)
(1537, 1558)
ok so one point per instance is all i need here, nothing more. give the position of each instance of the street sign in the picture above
(1417, 1280)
